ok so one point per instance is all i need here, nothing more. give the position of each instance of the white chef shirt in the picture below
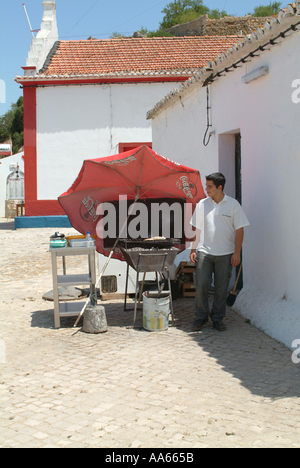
(218, 223)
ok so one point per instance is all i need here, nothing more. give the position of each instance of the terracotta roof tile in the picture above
(141, 56)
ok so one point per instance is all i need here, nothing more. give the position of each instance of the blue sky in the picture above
(79, 19)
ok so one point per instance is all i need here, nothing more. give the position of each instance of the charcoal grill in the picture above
(146, 256)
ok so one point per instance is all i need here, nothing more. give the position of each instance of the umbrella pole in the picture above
(94, 299)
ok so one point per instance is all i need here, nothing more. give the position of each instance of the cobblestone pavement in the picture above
(131, 388)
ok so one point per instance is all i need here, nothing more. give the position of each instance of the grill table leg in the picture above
(171, 302)
(136, 297)
(55, 290)
(141, 291)
(126, 288)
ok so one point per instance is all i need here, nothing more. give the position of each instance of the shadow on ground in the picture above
(7, 226)
(261, 364)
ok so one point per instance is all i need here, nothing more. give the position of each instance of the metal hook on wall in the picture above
(205, 143)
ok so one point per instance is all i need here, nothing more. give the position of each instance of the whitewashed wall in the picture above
(268, 119)
(4, 173)
(80, 122)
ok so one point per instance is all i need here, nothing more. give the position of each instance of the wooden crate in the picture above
(186, 269)
(189, 290)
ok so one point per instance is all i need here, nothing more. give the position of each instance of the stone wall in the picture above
(226, 26)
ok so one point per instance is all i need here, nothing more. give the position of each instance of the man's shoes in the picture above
(219, 325)
(199, 324)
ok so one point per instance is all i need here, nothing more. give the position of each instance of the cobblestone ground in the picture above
(131, 388)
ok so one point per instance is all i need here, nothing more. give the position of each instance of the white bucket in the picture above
(156, 310)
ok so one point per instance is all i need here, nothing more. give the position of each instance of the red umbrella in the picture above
(139, 174)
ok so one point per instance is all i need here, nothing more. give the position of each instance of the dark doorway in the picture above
(238, 168)
(238, 189)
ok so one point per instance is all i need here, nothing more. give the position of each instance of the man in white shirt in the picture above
(219, 221)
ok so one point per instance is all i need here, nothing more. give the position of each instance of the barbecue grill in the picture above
(151, 255)
(148, 256)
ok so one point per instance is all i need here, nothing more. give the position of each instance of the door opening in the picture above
(230, 164)
(238, 191)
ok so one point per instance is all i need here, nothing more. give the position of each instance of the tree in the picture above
(139, 33)
(11, 126)
(179, 12)
(5, 125)
(17, 129)
(217, 14)
(116, 35)
(159, 33)
(269, 10)
(182, 11)
(17, 121)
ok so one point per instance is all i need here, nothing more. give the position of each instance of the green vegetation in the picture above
(11, 126)
(269, 10)
(183, 11)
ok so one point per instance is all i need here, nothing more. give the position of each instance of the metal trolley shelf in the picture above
(64, 309)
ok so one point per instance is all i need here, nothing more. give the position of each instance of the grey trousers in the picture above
(221, 267)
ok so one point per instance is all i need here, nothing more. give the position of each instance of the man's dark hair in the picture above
(217, 178)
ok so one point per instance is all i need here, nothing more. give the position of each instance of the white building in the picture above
(254, 139)
(89, 98)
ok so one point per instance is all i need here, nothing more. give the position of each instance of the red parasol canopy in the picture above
(139, 174)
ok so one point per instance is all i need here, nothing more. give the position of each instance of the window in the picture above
(130, 146)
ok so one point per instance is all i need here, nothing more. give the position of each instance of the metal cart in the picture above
(65, 309)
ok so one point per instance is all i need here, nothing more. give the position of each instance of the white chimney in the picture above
(45, 38)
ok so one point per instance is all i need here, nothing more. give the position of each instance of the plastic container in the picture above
(81, 242)
(58, 240)
(78, 237)
(57, 243)
(156, 310)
